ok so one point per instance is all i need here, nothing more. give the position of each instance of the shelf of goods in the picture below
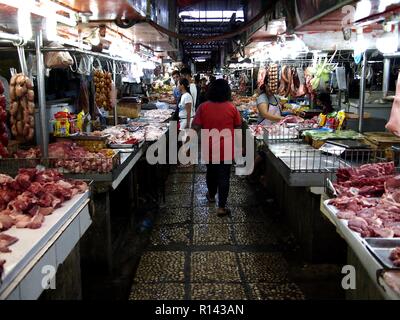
(361, 248)
(38, 251)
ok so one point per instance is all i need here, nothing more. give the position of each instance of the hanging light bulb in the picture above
(389, 41)
(24, 23)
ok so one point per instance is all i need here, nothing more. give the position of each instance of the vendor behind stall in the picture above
(324, 102)
(268, 105)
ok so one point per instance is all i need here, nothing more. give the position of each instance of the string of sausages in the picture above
(22, 107)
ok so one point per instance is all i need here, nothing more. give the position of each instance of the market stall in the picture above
(65, 124)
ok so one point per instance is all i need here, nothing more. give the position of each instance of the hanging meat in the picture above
(284, 81)
(22, 107)
(103, 85)
(394, 121)
(289, 83)
(3, 128)
(261, 76)
(83, 100)
(302, 90)
(273, 78)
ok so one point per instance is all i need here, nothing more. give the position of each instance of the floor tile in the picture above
(178, 201)
(217, 291)
(200, 200)
(169, 235)
(211, 234)
(161, 267)
(275, 291)
(263, 267)
(178, 188)
(158, 291)
(218, 266)
(208, 215)
(249, 214)
(180, 178)
(173, 215)
(254, 234)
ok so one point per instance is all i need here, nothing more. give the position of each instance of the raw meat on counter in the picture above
(394, 121)
(125, 135)
(154, 132)
(369, 198)
(121, 135)
(158, 115)
(395, 256)
(5, 242)
(73, 158)
(291, 119)
(29, 198)
(365, 171)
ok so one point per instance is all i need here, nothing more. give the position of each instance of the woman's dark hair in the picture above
(184, 82)
(186, 72)
(264, 87)
(219, 91)
(176, 72)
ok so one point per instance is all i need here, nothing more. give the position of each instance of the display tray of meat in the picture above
(67, 157)
(369, 200)
(387, 251)
(32, 204)
(124, 137)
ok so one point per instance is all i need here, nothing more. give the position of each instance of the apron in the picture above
(273, 109)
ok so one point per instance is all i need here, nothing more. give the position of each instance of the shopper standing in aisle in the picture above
(176, 76)
(187, 74)
(203, 91)
(220, 114)
(186, 110)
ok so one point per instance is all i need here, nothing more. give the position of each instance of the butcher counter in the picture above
(38, 254)
(372, 280)
(295, 179)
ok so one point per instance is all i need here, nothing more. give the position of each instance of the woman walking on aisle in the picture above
(220, 114)
(186, 109)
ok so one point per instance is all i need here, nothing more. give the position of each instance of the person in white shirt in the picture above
(187, 74)
(186, 113)
(186, 105)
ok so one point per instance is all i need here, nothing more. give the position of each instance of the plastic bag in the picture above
(58, 59)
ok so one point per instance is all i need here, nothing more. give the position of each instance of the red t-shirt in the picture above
(219, 116)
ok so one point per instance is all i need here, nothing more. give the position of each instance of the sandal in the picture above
(223, 212)
(209, 198)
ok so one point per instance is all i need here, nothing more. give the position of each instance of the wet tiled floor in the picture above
(194, 254)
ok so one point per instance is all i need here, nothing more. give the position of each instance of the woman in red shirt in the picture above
(221, 116)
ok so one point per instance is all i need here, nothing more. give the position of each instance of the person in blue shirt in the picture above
(176, 76)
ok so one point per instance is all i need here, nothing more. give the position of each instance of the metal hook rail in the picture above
(81, 51)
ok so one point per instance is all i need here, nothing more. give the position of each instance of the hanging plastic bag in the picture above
(58, 59)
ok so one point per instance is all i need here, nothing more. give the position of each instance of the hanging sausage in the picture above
(3, 129)
(22, 107)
